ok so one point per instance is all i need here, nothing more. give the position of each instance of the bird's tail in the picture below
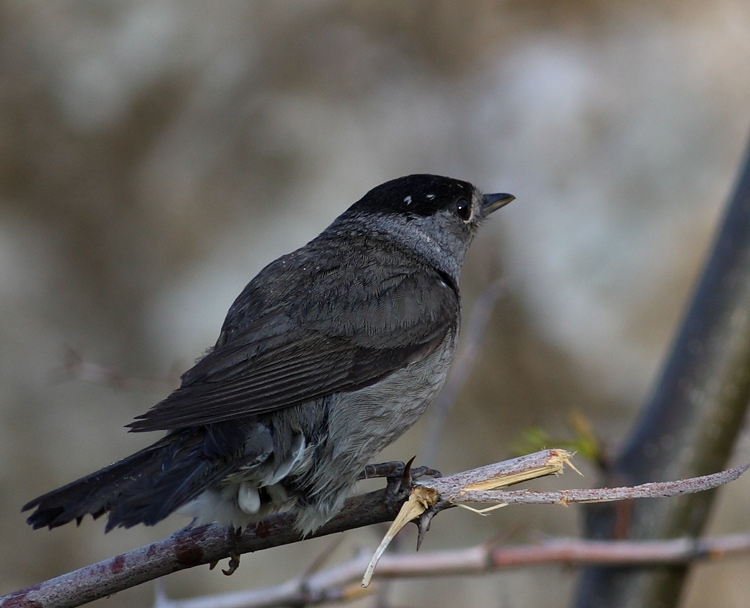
(143, 488)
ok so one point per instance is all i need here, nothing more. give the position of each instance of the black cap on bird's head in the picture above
(424, 195)
(433, 216)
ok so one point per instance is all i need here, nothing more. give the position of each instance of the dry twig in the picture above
(341, 582)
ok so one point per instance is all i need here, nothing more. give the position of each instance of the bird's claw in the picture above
(233, 536)
(234, 563)
(418, 472)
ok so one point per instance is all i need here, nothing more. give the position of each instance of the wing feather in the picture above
(351, 328)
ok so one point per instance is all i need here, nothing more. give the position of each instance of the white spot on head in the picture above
(429, 197)
(407, 200)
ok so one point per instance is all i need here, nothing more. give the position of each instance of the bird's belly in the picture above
(359, 425)
(363, 422)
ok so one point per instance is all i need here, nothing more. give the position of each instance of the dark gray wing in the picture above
(353, 323)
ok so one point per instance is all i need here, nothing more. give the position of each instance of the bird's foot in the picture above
(396, 468)
(234, 563)
(399, 476)
(232, 538)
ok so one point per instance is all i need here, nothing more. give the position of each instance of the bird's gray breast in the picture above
(363, 422)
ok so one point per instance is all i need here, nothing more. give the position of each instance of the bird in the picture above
(326, 357)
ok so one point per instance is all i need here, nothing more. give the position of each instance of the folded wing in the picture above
(336, 336)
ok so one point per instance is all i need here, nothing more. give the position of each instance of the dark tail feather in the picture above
(143, 488)
(152, 502)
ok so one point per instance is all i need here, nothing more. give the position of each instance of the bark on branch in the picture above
(341, 582)
(193, 547)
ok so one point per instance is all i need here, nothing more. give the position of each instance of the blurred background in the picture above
(154, 156)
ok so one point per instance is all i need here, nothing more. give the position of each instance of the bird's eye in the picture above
(463, 209)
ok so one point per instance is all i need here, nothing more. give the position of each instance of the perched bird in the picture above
(327, 356)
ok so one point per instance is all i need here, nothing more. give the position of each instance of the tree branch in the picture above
(187, 548)
(341, 582)
(208, 544)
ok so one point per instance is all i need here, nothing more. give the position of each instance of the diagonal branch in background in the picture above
(690, 423)
(461, 368)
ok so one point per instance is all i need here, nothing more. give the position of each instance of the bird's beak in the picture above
(493, 202)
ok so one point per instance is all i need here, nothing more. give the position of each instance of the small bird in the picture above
(327, 356)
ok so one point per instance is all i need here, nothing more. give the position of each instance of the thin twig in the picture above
(662, 489)
(481, 486)
(341, 581)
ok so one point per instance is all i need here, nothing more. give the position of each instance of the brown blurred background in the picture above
(155, 155)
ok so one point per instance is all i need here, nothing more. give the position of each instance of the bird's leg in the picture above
(399, 476)
(233, 536)
(394, 468)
